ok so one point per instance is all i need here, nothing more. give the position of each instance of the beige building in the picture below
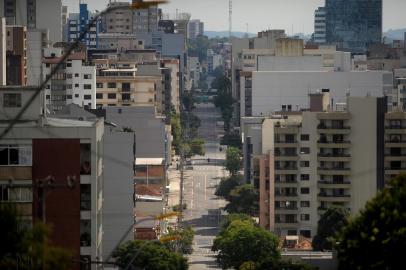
(322, 158)
(124, 87)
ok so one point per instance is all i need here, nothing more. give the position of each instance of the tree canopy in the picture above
(233, 160)
(185, 243)
(226, 185)
(25, 248)
(243, 199)
(241, 242)
(149, 255)
(329, 225)
(376, 238)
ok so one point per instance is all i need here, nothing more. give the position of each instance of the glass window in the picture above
(304, 163)
(99, 95)
(87, 97)
(15, 155)
(304, 217)
(111, 96)
(87, 86)
(99, 85)
(87, 76)
(12, 100)
(111, 85)
(304, 204)
(305, 190)
(305, 150)
(304, 177)
(304, 137)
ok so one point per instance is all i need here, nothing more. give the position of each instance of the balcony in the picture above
(333, 144)
(334, 184)
(334, 197)
(286, 170)
(286, 210)
(288, 195)
(395, 129)
(333, 129)
(284, 144)
(334, 157)
(395, 170)
(126, 90)
(15, 172)
(333, 171)
(334, 116)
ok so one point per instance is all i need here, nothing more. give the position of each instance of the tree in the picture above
(197, 147)
(185, 243)
(241, 242)
(376, 238)
(176, 129)
(232, 139)
(232, 217)
(243, 199)
(24, 248)
(329, 224)
(226, 185)
(233, 160)
(149, 255)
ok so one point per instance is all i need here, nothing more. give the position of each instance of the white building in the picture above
(320, 25)
(195, 28)
(75, 83)
(272, 89)
(40, 14)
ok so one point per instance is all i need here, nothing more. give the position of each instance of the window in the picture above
(304, 163)
(304, 204)
(69, 96)
(305, 150)
(87, 97)
(76, 95)
(68, 86)
(99, 96)
(12, 100)
(69, 64)
(99, 85)
(87, 76)
(111, 96)
(15, 194)
(305, 190)
(85, 195)
(69, 76)
(304, 137)
(304, 217)
(19, 155)
(76, 85)
(87, 86)
(111, 85)
(126, 96)
(76, 75)
(304, 177)
(306, 233)
(48, 97)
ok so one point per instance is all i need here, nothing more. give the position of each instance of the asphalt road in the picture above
(203, 207)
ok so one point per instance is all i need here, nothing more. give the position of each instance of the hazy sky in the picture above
(259, 14)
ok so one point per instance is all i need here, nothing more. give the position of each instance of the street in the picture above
(203, 207)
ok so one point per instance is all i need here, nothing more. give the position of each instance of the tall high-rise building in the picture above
(353, 24)
(35, 14)
(320, 25)
(78, 23)
(195, 28)
(146, 20)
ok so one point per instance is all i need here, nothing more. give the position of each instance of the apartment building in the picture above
(319, 35)
(195, 28)
(53, 170)
(120, 41)
(35, 14)
(127, 85)
(78, 23)
(173, 92)
(146, 20)
(16, 55)
(75, 82)
(120, 20)
(313, 160)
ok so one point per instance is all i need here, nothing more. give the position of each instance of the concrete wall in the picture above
(272, 89)
(149, 129)
(34, 56)
(289, 63)
(118, 187)
(3, 51)
(49, 16)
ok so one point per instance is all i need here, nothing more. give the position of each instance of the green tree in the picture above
(226, 185)
(376, 238)
(185, 243)
(233, 160)
(241, 242)
(149, 255)
(197, 147)
(243, 199)
(329, 224)
(176, 129)
(233, 217)
(24, 248)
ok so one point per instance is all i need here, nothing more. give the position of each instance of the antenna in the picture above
(230, 21)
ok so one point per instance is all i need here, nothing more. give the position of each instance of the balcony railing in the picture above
(395, 127)
(286, 168)
(286, 154)
(333, 155)
(333, 169)
(334, 182)
(396, 168)
(286, 141)
(286, 221)
(126, 89)
(286, 194)
(336, 142)
(287, 182)
(332, 127)
(286, 208)
(333, 195)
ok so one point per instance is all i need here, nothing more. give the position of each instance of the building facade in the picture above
(78, 23)
(320, 26)
(353, 24)
(35, 14)
(60, 159)
(315, 160)
(75, 82)
(195, 29)
(16, 55)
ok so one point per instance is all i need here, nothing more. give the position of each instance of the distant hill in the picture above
(395, 33)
